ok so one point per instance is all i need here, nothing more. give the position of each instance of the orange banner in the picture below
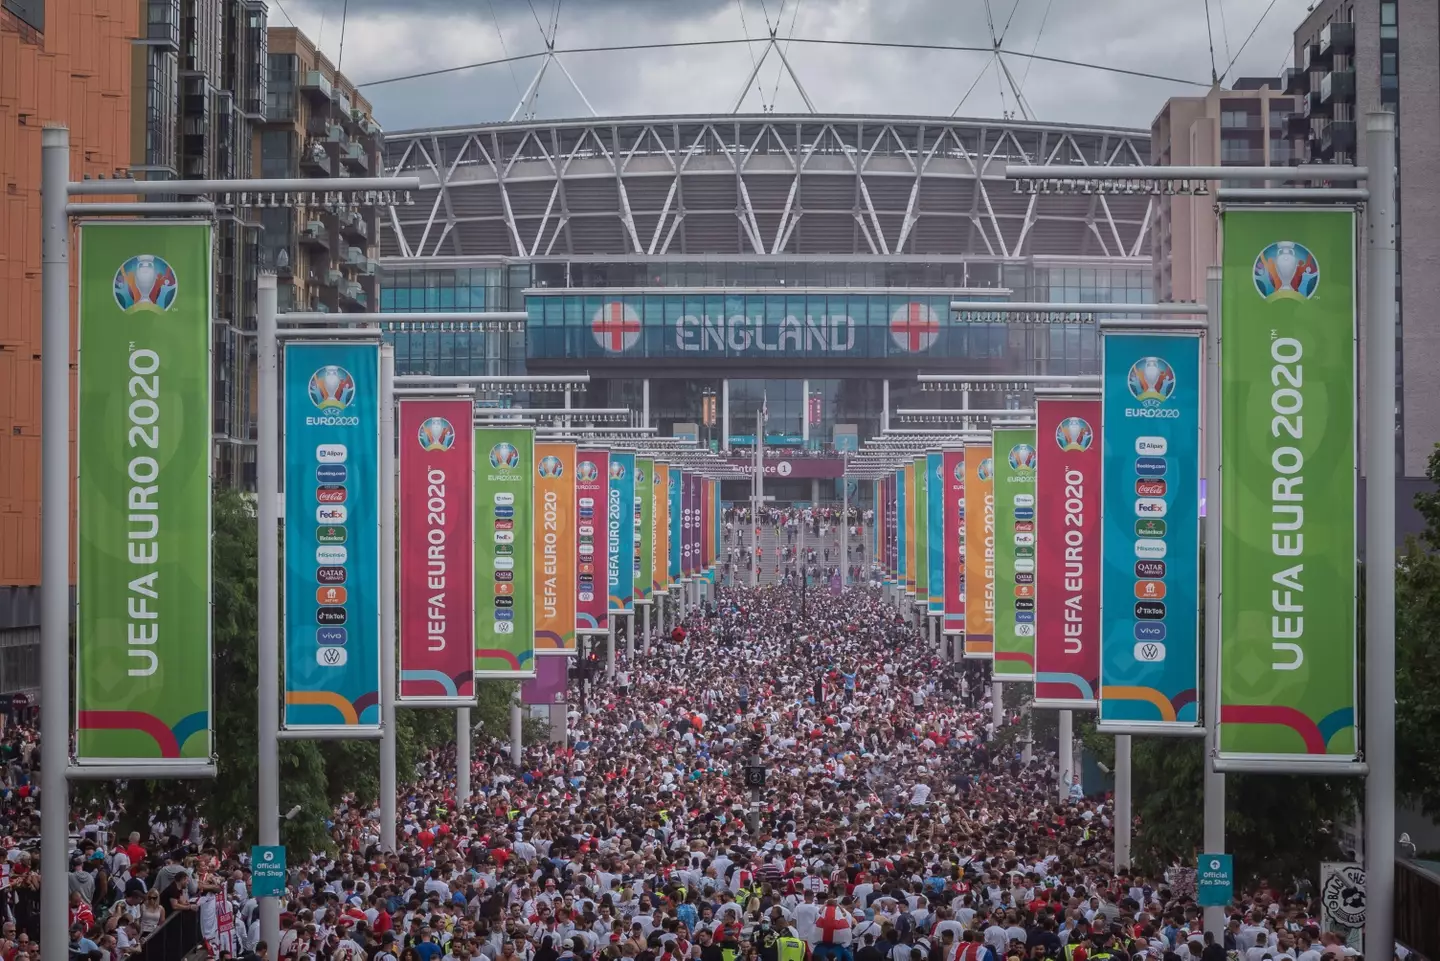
(554, 548)
(660, 508)
(979, 551)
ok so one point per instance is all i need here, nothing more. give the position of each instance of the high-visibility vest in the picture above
(789, 949)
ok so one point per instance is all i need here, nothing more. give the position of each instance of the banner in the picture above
(908, 495)
(1150, 540)
(677, 520)
(922, 533)
(1067, 537)
(1016, 462)
(893, 552)
(620, 531)
(979, 551)
(703, 527)
(143, 558)
(690, 507)
(437, 549)
(504, 558)
(935, 535)
(593, 563)
(716, 520)
(873, 552)
(332, 565)
(660, 522)
(952, 479)
(1288, 505)
(555, 572)
(644, 528)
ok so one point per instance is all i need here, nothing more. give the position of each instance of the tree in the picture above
(1417, 657)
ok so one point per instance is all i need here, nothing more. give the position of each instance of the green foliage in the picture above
(1417, 658)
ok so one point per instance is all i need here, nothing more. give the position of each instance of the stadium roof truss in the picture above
(759, 186)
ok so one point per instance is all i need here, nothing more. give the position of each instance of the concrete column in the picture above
(805, 415)
(725, 414)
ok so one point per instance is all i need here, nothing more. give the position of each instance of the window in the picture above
(1389, 64)
(31, 12)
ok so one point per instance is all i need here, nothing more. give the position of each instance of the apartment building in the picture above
(198, 89)
(317, 125)
(1245, 126)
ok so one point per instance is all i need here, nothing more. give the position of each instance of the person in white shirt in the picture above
(806, 913)
(1262, 947)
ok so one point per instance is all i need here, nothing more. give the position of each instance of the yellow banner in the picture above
(979, 551)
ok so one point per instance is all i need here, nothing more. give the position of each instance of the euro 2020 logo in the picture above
(551, 466)
(986, 470)
(1022, 458)
(332, 388)
(1074, 434)
(960, 472)
(617, 470)
(1286, 270)
(436, 434)
(586, 472)
(145, 282)
(1151, 381)
(504, 455)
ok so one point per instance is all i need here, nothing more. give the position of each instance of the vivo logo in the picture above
(1150, 631)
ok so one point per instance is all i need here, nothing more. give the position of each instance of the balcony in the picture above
(369, 127)
(334, 133)
(315, 235)
(1337, 38)
(1315, 106)
(353, 292)
(1338, 87)
(1297, 125)
(1295, 81)
(371, 268)
(1313, 57)
(313, 82)
(333, 278)
(315, 159)
(1338, 138)
(355, 257)
(162, 28)
(354, 156)
(352, 227)
(342, 104)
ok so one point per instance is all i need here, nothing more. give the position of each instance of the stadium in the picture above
(698, 266)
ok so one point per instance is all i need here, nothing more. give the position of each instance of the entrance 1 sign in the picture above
(1215, 880)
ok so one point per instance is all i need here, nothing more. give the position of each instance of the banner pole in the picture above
(1065, 761)
(1379, 412)
(462, 759)
(55, 538)
(1214, 781)
(844, 524)
(629, 640)
(1123, 817)
(610, 651)
(517, 727)
(388, 784)
(267, 512)
(647, 624)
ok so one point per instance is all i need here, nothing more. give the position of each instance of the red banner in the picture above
(953, 478)
(437, 544)
(592, 579)
(1067, 539)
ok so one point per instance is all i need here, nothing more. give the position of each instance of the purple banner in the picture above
(548, 684)
(803, 468)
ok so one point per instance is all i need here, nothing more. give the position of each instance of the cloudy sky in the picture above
(390, 38)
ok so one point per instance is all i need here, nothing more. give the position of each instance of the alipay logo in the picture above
(1152, 446)
(332, 453)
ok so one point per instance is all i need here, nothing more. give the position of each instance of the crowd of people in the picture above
(894, 824)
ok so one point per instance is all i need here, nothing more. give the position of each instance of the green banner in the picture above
(504, 540)
(644, 527)
(143, 625)
(1015, 464)
(922, 534)
(1287, 360)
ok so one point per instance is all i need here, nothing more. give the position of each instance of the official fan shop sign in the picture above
(332, 535)
(1150, 532)
(143, 661)
(1215, 880)
(267, 870)
(1016, 597)
(1288, 355)
(1067, 533)
(504, 565)
(437, 544)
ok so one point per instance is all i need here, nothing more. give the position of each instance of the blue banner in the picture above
(935, 532)
(332, 535)
(620, 532)
(1150, 542)
(677, 522)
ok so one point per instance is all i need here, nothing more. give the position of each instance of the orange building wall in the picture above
(78, 74)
